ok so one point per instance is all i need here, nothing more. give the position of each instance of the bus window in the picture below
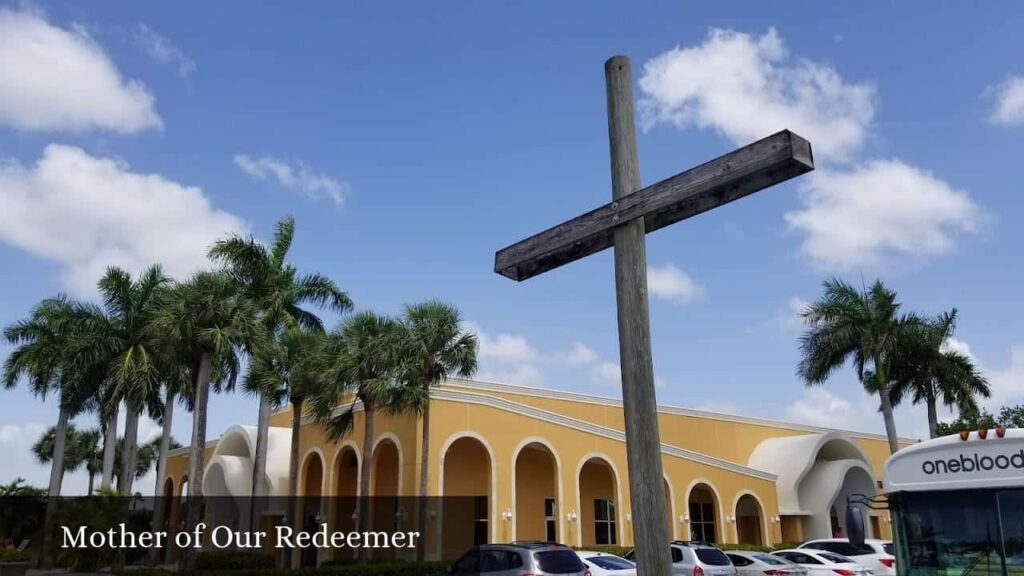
(947, 535)
(1011, 517)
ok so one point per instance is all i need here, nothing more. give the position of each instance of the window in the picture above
(550, 515)
(479, 520)
(468, 564)
(738, 560)
(499, 560)
(677, 555)
(604, 522)
(712, 556)
(612, 563)
(559, 562)
(771, 560)
(702, 522)
(834, 558)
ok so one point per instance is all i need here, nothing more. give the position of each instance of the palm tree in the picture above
(278, 291)
(863, 326)
(291, 368)
(932, 372)
(79, 449)
(435, 346)
(362, 356)
(46, 353)
(212, 322)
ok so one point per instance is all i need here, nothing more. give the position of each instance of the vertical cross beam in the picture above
(643, 443)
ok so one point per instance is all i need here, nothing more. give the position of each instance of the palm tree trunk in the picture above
(56, 475)
(109, 449)
(159, 504)
(421, 520)
(197, 452)
(259, 467)
(165, 443)
(92, 478)
(883, 394)
(131, 437)
(293, 475)
(362, 510)
(933, 416)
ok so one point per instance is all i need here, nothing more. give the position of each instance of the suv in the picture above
(534, 558)
(875, 554)
(697, 559)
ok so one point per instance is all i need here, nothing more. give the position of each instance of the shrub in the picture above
(233, 560)
(616, 550)
(14, 556)
(786, 545)
(743, 547)
(382, 568)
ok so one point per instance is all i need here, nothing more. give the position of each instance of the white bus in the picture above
(956, 504)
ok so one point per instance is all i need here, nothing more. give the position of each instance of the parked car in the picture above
(875, 554)
(604, 564)
(763, 564)
(535, 558)
(697, 559)
(822, 563)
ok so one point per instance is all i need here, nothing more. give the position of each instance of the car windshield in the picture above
(834, 558)
(712, 556)
(559, 562)
(773, 560)
(611, 563)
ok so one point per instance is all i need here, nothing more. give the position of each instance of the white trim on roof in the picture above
(665, 409)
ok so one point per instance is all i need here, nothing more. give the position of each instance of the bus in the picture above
(956, 504)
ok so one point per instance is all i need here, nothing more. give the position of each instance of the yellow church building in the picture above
(551, 465)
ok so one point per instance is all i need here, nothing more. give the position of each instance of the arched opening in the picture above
(346, 485)
(856, 480)
(749, 521)
(466, 466)
(599, 512)
(668, 510)
(703, 507)
(536, 513)
(384, 488)
(313, 478)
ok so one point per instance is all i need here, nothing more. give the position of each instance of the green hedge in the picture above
(616, 550)
(14, 556)
(755, 548)
(393, 568)
(232, 560)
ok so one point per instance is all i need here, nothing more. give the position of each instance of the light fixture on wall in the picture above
(683, 518)
(319, 519)
(629, 517)
(507, 515)
(730, 519)
(355, 516)
(776, 519)
(571, 515)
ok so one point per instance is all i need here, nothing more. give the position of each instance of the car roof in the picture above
(745, 553)
(692, 544)
(530, 544)
(847, 540)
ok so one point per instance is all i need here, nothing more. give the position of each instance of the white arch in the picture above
(389, 436)
(719, 517)
(493, 520)
(672, 506)
(619, 504)
(558, 476)
(763, 514)
(304, 463)
(334, 464)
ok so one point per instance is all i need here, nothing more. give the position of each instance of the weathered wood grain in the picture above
(739, 173)
(639, 403)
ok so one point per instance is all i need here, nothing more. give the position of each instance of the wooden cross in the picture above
(622, 223)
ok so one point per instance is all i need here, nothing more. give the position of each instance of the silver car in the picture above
(697, 559)
(763, 564)
(535, 558)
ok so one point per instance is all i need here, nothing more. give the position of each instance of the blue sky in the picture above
(412, 140)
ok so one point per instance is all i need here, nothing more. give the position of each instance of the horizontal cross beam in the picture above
(739, 173)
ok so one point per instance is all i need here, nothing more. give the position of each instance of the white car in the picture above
(763, 564)
(875, 554)
(821, 563)
(602, 564)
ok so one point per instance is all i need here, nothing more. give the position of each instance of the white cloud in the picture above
(502, 347)
(877, 210)
(580, 354)
(164, 51)
(16, 442)
(670, 283)
(1009, 99)
(607, 374)
(86, 213)
(792, 318)
(523, 375)
(819, 407)
(746, 88)
(298, 177)
(56, 79)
